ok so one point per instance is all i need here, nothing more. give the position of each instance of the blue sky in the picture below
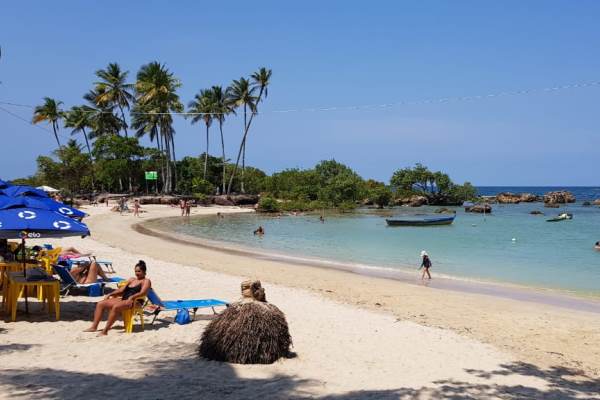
(336, 53)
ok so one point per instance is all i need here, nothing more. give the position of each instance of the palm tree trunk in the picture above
(55, 134)
(174, 162)
(87, 143)
(244, 153)
(223, 152)
(237, 162)
(162, 174)
(206, 154)
(123, 120)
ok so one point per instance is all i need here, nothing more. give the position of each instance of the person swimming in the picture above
(259, 231)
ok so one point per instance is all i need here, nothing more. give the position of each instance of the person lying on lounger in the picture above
(72, 252)
(88, 273)
(121, 299)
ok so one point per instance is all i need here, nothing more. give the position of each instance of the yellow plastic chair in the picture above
(129, 314)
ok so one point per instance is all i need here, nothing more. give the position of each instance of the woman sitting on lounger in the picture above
(122, 298)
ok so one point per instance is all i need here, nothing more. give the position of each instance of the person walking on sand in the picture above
(182, 206)
(188, 207)
(425, 264)
(136, 208)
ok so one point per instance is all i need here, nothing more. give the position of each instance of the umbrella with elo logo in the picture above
(17, 221)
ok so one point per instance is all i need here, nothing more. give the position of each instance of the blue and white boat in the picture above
(421, 220)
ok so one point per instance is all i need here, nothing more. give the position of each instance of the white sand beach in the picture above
(354, 336)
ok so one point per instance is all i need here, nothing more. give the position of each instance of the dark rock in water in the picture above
(536, 212)
(479, 208)
(551, 205)
(586, 204)
(444, 210)
(560, 197)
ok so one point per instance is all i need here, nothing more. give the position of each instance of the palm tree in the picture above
(79, 118)
(50, 112)
(103, 121)
(113, 90)
(202, 109)
(156, 89)
(241, 94)
(262, 79)
(221, 108)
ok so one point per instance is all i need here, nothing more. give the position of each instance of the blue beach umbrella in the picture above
(19, 222)
(46, 203)
(24, 190)
(4, 184)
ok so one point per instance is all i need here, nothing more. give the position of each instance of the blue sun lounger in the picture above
(174, 305)
(68, 282)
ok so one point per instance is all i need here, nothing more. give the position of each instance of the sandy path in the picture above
(343, 351)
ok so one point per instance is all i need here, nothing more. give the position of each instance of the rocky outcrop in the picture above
(514, 198)
(586, 204)
(560, 197)
(479, 208)
(413, 201)
(233, 200)
(222, 201)
(508, 198)
(596, 202)
(158, 199)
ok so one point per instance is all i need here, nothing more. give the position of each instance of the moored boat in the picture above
(420, 220)
(561, 217)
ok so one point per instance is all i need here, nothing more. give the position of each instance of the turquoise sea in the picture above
(542, 254)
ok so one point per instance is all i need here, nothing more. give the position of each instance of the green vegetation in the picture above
(436, 186)
(113, 160)
(151, 101)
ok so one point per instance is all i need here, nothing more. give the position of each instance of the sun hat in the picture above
(423, 253)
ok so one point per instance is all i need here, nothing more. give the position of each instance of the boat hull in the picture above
(425, 222)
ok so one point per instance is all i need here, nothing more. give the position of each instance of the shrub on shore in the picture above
(268, 204)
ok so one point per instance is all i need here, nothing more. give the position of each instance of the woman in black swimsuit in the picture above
(121, 299)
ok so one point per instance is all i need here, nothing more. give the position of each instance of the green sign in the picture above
(151, 175)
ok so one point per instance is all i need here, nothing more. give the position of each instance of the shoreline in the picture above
(539, 334)
(547, 296)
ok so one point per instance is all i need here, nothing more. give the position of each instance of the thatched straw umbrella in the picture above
(251, 331)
